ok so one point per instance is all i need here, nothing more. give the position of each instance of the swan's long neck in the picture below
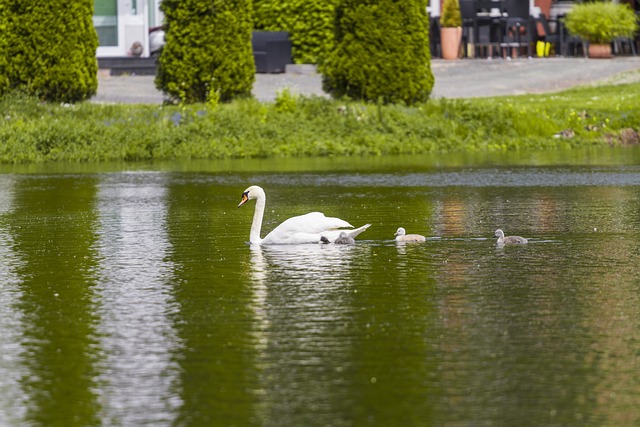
(256, 225)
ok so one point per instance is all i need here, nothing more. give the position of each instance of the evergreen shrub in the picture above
(309, 23)
(381, 52)
(601, 22)
(48, 49)
(451, 16)
(208, 49)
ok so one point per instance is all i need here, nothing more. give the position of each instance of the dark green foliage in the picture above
(48, 49)
(381, 52)
(309, 23)
(207, 51)
(601, 22)
(31, 131)
(451, 16)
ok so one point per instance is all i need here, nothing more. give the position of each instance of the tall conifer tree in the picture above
(381, 52)
(207, 50)
(48, 49)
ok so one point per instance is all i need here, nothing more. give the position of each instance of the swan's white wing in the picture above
(304, 229)
(332, 235)
(297, 239)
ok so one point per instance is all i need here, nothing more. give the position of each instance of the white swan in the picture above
(402, 236)
(309, 228)
(509, 240)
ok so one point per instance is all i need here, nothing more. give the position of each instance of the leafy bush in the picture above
(208, 48)
(600, 23)
(32, 131)
(309, 23)
(451, 16)
(381, 52)
(48, 49)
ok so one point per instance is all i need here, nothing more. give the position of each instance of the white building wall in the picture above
(134, 18)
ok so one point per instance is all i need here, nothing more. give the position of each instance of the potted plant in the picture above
(450, 29)
(600, 23)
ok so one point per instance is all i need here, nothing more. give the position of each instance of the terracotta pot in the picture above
(450, 38)
(599, 50)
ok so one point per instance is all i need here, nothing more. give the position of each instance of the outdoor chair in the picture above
(518, 28)
(486, 27)
(434, 37)
(570, 44)
(468, 14)
(622, 45)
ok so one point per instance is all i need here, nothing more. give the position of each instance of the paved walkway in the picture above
(454, 79)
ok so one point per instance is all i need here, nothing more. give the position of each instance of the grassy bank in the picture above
(292, 126)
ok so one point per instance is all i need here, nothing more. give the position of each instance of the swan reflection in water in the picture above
(304, 284)
(303, 301)
(305, 263)
(290, 276)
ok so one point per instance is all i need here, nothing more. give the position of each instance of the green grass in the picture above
(297, 126)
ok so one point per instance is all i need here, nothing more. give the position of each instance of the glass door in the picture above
(107, 24)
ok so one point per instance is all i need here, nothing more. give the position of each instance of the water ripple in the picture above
(489, 177)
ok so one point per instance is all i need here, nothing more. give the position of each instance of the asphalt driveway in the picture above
(454, 79)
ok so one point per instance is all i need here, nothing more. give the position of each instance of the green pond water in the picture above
(129, 295)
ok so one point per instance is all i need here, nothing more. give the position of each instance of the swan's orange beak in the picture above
(245, 199)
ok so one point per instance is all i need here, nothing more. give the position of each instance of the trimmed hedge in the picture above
(381, 52)
(48, 49)
(309, 23)
(208, 50)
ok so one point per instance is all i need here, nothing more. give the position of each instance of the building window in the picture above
(105, 19)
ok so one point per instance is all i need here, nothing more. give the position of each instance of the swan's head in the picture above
(401, 232)
(253, 192)
(499, 233)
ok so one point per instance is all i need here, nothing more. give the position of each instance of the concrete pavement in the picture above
(464, 78)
